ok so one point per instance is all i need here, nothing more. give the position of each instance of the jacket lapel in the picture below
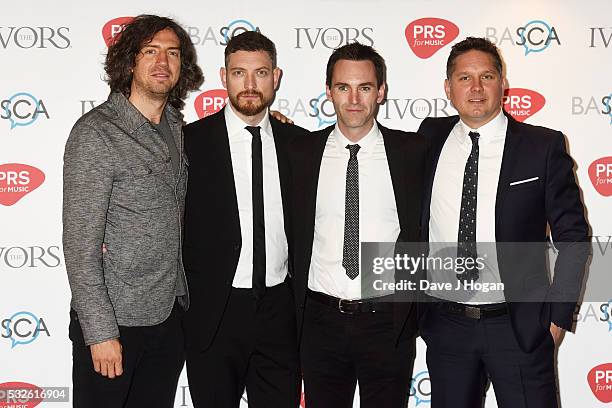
(509, 160)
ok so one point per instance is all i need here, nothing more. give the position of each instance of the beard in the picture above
(249, 107)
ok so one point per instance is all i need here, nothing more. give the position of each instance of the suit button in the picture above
(236, 247)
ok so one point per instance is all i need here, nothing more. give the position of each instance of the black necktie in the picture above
(350, 248)
(466, 240)
(259, 226)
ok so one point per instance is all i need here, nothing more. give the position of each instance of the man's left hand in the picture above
(557, 333)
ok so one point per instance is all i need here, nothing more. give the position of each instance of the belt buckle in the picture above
(473, 312)
(341, 309)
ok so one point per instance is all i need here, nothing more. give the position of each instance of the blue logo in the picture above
(22, 109)
(237, 27)
(22, 328)
(606, 309)
(536, 36)
(420, 388)
(321, 109)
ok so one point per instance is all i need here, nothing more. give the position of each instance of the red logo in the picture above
(600, 381)
(600, 172)
(113, 28)
(522, 103)
(426, 36)
(209, 102)
(20, 394)
(17, 180)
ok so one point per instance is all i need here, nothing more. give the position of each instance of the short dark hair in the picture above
(122, 52)
(469, 44)
(251, 41)
(357, 52)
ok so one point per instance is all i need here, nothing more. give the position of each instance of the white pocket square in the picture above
(514, 183)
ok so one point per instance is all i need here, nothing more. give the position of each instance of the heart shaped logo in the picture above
(523, 103)
(600, 173)
(20, 394)
(17, 180)
(427, 35)
(209, 102)
(600, 381)
(113, 28)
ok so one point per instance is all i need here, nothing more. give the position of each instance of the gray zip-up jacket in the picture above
(120, 190)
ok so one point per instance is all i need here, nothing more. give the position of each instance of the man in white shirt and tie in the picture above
(353, 182)
(240, 330)
(498, 181)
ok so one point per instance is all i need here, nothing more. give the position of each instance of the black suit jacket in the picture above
(406, 155)
(213, 240)
(522, 213)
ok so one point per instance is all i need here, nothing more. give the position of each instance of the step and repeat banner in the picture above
(558, 56)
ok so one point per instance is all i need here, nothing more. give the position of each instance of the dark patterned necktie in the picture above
(350, 248)
(466, 240)
(259, 227)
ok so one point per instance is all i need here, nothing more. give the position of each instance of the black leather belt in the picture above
(473, 311)
(371, 305)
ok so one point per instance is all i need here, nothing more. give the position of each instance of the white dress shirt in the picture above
(378, 220)
(276, 241)
(447, 189)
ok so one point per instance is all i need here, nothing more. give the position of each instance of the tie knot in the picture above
(254, 130)
(353, 149)
(474, 136)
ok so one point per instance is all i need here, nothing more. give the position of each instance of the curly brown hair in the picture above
(122, 53)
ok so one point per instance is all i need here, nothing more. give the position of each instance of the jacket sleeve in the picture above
(569, 229)
(88, 181)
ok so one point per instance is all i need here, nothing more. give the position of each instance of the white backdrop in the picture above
(558, 56)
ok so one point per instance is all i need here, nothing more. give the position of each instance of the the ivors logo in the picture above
(17, 180)
(114, 27)
(522, 103)
(20, 395)
(426, 36)
(600, 173)
(209, 102)
(600, 381)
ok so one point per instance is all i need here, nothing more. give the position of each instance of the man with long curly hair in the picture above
(125, 176)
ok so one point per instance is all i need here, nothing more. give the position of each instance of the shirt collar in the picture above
(132, 117)
(493, 129)
(236, 126)
(366, 144)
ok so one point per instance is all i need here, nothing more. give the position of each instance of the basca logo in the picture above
(426, 36)
(522, 103)
(23, 328)
(420, 388)
(113, 28)
(534, 36)
(600, 36)
(600, 381)
(209, 102)
(589, 105)
(34, 37)
(590, 312)
(20, 395)
(22, 109)
(417, 108)
(17, 180)
(332, 37)
(205, 35)
(16, 257)
(600, 173)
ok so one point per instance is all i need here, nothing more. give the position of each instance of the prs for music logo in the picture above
(17, 180)
(113, 28)
(600, 173)
(600, 381)
(209, 102)
(426, 36)
(522, 103)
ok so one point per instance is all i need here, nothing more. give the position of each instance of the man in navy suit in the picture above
(497, 180)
